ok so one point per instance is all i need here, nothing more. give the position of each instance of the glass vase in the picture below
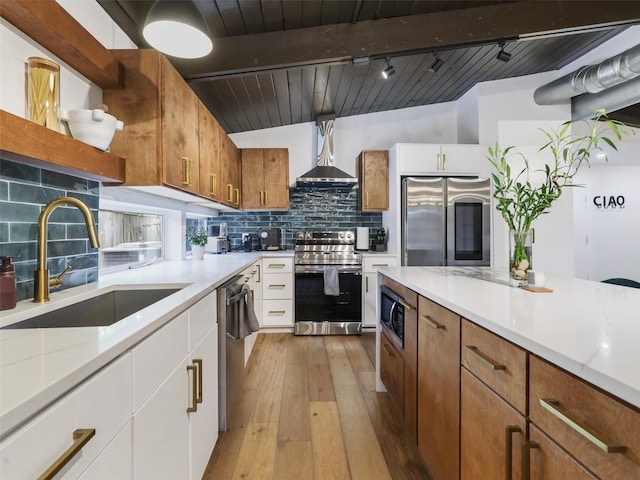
(43, 92)
(520, 262)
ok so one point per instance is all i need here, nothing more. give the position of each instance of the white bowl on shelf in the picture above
(94, 127)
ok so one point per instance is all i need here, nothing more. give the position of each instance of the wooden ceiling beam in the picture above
(328, 44)
(46, 22)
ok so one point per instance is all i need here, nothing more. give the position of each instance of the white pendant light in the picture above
(177, 29)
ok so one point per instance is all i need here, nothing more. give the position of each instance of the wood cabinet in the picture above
(597, 430)
(392, 370)
(160, 112)
(102, 403)
(439, 389)
(210, 163)
(373, 177)
(409, 355)
(370, 265)
(265, 179)
(231, 172)
(493, 404)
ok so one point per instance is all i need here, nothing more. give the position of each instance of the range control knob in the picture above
(308, 236)
(264, 234)
(349, 236)
(299, 235)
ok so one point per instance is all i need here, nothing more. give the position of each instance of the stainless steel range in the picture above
(328, 284)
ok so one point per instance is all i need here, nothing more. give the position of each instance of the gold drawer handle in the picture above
(273, 285)
(198, 363)
(278, 312)
(186, 171)
(386, 349)
(484, 359)
(508, 447)
(367, 199)
(275, 265)
(194, 390)
(380, 265)
(230, 193)
(266, 200)
(213, 187)
(554, 407)
(432, 323)
(237, 190)
(80, 438)
(406, 305)
(526, 458)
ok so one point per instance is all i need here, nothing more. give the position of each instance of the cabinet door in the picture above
(277, 313)
(277, 286)
(439, 389)
(230, 157)
(209, 154)
(179, 131)
(253, 190)
(204, 421)
(161, 430)
(392, 371)
(547, 461)
(464, 159)
(486, 450)
(373, 176)
(370, 296)
(276, 178)
(115, 461)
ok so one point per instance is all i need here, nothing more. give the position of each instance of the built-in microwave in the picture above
(392, 313)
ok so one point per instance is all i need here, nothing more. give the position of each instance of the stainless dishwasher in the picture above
(231, 298)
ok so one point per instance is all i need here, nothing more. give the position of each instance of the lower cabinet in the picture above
(370, 265)
(277, 292)
(392, 370)
(101, 404)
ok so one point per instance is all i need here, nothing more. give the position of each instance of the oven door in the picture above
(311, 303)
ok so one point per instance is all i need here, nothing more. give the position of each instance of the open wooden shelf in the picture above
(27, 142)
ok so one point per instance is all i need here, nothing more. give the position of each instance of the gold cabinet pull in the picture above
(213, 187)
(526, 458)
(508, 447)
(237, 190)
(366, 196)
(258, 280)
(380, 265)
(438, 163)
(80, 438)
(444, 161)
(484, 359)
(276, 285)
(554, 407)
(432, 323)
(266, 198)
(194, 390)
(386, 349)
(230, 195)
(198, 364)
(276, 265)
(276, 312)
(186, 171)
(406, 305)
(261, 198)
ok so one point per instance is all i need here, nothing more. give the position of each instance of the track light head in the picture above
(437, 64)
(387, 72)
(502, 55)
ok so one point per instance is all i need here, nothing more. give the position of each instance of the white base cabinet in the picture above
(370, 265)
(277, 292)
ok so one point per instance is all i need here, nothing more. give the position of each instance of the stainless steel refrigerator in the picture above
(446, 221)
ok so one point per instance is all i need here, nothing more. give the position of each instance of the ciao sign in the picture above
(608, 201)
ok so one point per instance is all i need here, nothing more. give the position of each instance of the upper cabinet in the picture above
(210, 163)
(450, 159)
(373, 175)
(161, 115)
(230, 159)
(265, 179)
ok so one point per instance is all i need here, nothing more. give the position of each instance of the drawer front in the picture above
(410, 297)
(547, 461)
(579, 418)
(277, 265)
(277, 313)
(392, 371)
(371, 264)
(277, 286)
(150, 368)
(102, 403)
(202, 317)
(496, 362)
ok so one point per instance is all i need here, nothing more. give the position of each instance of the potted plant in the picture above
(197, 240)
(521, 200)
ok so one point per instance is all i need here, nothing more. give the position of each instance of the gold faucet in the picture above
(41, 280)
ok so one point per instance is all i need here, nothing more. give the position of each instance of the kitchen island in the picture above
(510, 380)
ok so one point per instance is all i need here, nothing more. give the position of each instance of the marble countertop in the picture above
(37, 366)
(588, 328)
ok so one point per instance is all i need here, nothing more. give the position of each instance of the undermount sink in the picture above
(99, 311)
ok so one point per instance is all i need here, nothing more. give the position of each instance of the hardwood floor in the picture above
(309, 410)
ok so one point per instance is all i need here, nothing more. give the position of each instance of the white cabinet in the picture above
(452, 159)
(370, 265)
(176, 396)
(277, 292)
(115, 461)
(102, 403)
(253, 278)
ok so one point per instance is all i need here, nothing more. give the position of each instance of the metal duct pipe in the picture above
(591, 79)
(611, 99)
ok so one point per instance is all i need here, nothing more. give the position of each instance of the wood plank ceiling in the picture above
(282, 62)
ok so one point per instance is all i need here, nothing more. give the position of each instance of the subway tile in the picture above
(23, 193)
(18, 212)
(4, 232)
(65, 214)
(19, 172)
(28, 232)
(65, 182)
(24, 289)
(65, 248)
(4, 190)
(82, 262)
(26, 250)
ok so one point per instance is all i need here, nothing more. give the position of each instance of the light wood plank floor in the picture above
(309, 410)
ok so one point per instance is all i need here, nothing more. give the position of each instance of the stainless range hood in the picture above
(326, 174)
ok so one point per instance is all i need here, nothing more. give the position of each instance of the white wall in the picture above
(469, 117)
(375, 131)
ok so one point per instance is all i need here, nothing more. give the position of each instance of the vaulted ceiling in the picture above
(281, 62)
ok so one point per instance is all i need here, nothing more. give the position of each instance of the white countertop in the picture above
(38, 366)
(588, 328)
